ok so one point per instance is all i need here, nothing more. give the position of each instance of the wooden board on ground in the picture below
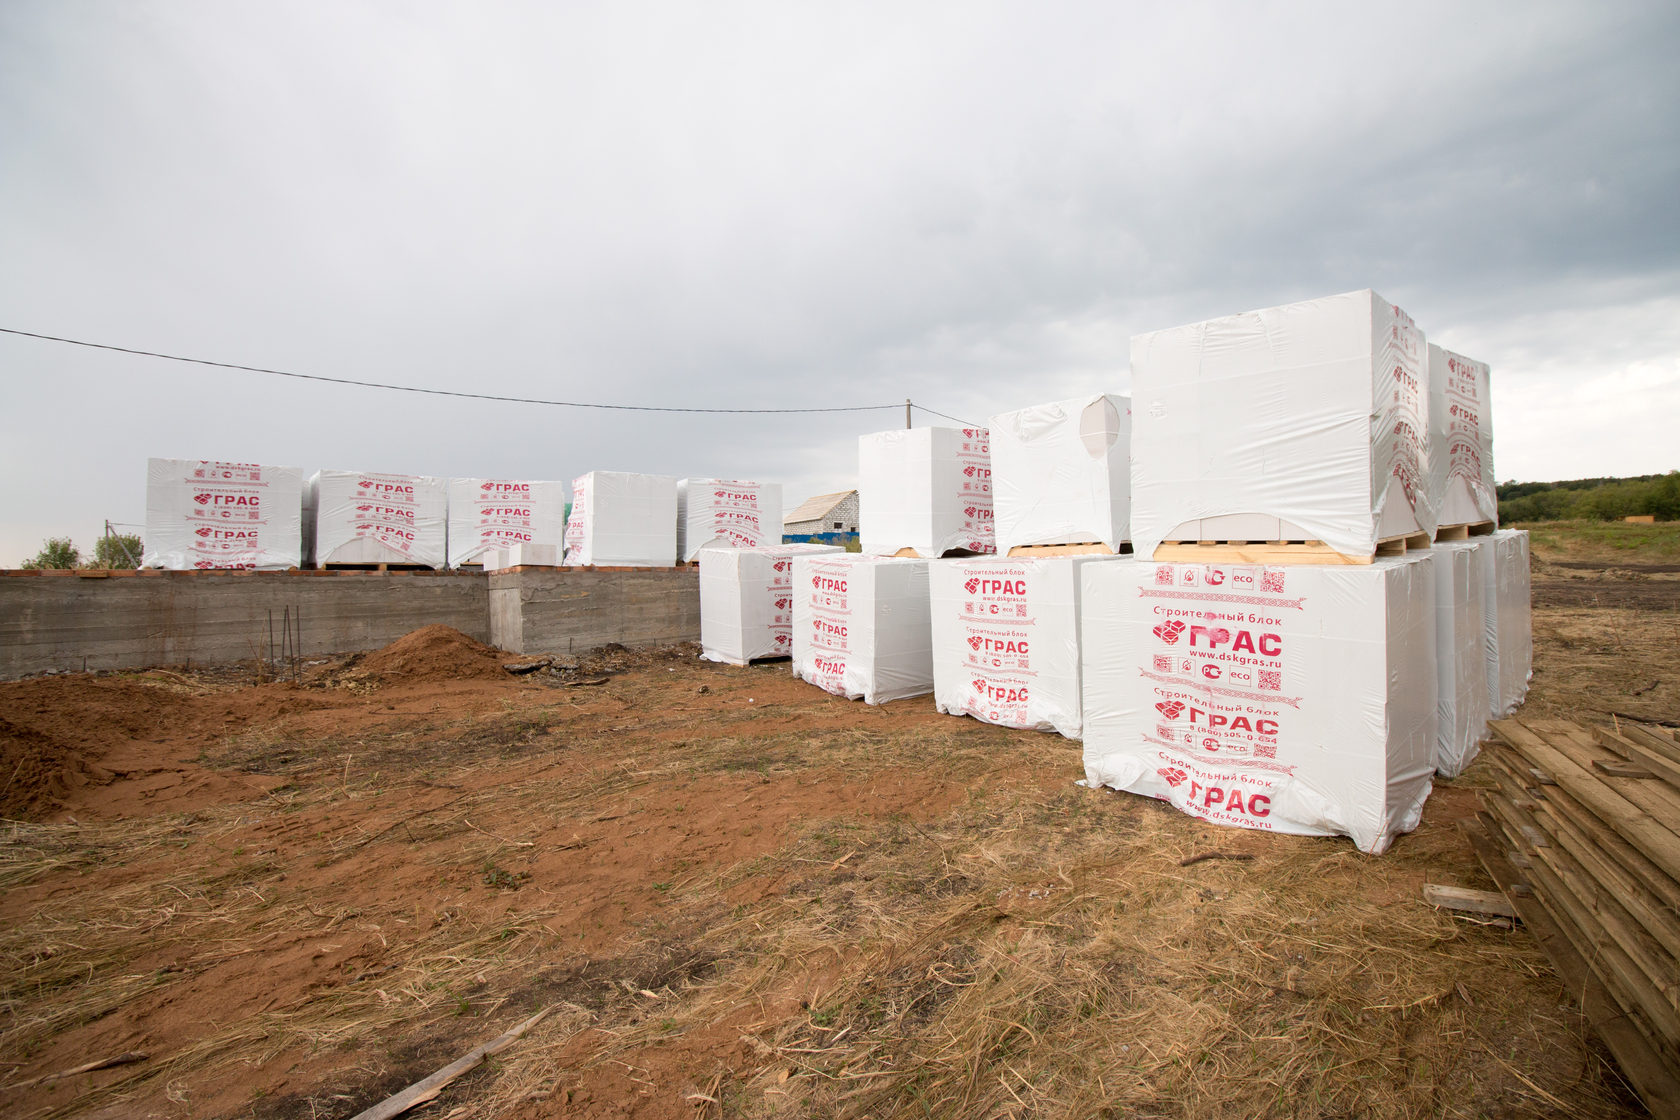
(1279, 552)
(1469, 901)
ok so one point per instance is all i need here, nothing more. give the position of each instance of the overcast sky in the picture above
(791, 205)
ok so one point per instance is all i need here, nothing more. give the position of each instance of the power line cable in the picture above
(947, 416)
(438, 392)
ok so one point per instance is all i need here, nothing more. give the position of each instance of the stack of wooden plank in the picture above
(1583, 834)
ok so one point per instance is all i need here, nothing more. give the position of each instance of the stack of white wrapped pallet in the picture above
(726, 513)
(1461, 479)
(1304, 424)
(860, 626)
(1510, 625)
(357, 518)
(1280, 672)
(624, 520)
(1297, 699)
(746, 601)
(1061, 474)
(925, 492)
(491, 514)
(1461, 661)
(204, 515)
(1006, 640)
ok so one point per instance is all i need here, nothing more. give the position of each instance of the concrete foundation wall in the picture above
(134, 619)
(130, 620)
(541, 610)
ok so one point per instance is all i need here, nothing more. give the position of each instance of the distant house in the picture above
(823, 515)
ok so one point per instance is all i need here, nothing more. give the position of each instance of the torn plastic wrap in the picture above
(1304, 422)
(1509, 637)
(726, 513)
(522, 556)
(501, 513)
(1460, 655)
(203, 515)
(1294, 699)
(746, 601)
(860, 626)
(623, 520)
(1006, 640)
(1061, 473)
(359, 518)
(1461, 479)
(929, 489)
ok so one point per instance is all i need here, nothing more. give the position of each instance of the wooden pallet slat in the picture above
(1639, 755)
(1651, 1076)
(1086, 548)
(1464, 530)
(1635, 825)
(1663, 888)
(1647, 969)
(1656, 917)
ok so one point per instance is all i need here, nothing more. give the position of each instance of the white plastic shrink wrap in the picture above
(1510, 626)
(1298, 699)
(1061, 473)
(623, 520)
(726, 513)
(1305, 422)
(1461, 482)
(929, 489)
(202, 515)
(860, 626)
(1006, 640)
(357, 518)
(1460, 655)
(746, 601)
(498, 513)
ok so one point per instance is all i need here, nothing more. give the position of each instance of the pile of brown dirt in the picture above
(434, 653)
(42, 771)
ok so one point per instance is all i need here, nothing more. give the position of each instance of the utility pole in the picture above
(907, 412)
(114, 535)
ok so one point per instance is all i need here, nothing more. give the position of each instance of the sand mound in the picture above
(434, 653)
(43, 771)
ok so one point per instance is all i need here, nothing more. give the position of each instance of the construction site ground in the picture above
(738, 896)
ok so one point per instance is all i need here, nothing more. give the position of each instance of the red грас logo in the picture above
(1172, 775)
(1169, 631)
(1172, 709)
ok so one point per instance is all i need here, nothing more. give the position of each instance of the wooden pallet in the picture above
(378, 567)
(1087, 548)
(953, 553)
(1464, 531)
(1280, 552)
(1582, 832)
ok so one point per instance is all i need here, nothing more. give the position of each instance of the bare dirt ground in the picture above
(739, 897)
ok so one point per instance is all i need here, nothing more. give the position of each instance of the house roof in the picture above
(816, 509)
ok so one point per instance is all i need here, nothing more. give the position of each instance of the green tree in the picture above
(117, 552)
(57, 552)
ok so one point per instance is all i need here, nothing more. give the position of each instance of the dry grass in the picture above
(1049, 957)
(1031, 949)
